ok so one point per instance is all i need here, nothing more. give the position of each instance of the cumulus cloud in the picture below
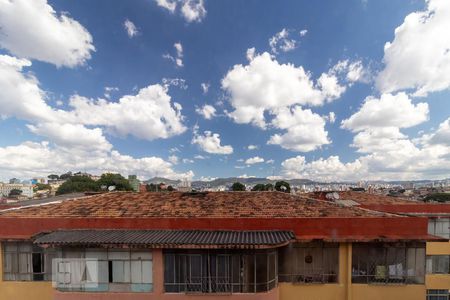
(41, 158)
(191, 10)
(150, 114)
(322, 169)
(418, 58)
(109, 90)
(210, 143)
(206, 111)
(440, 137)
(281, 42)
(387, 111)
(72, 135)
(305, 130)
(252, 147)
(266, 85)
(173, 159)
(42, 34)
(130, 28)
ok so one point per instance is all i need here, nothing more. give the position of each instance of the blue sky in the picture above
(325, 58)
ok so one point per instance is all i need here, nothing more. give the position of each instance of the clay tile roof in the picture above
(191, 205)
(167, 238)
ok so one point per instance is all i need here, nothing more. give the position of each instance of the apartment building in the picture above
(437, 278)
(216, 245)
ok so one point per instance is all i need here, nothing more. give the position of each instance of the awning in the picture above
(166, 238)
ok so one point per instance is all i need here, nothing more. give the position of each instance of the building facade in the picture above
(221, 245)
(6, 188)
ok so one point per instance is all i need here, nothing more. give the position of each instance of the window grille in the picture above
(309, 263)
(438, 264)
(438, 295)
(395, 263)
(219, 272)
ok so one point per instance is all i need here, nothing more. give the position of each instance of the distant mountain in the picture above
(226, 181)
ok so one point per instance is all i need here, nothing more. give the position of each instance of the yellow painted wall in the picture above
(438, 248)
(388, 292)
(336, 291)
(437, 281)
(23, 290)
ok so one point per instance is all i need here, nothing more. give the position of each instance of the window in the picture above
(309, 263)
(437, 295)
(22, 261)
(438, 264)
(105, 270)
(439, 227)
(388, 263)
(219, 271)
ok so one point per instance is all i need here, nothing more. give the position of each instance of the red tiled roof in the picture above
(191, 205)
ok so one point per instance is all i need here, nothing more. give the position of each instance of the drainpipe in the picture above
(349, 271)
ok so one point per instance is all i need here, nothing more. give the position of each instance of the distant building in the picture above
(134, 182)
(184, 186)
(14, 181)
(6, 188)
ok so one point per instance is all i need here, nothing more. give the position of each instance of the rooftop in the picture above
(191, 205)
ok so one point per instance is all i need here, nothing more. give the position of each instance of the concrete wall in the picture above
(23, 290)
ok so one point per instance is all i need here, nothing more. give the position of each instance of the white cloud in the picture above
(205, 87)
(418, 58)
(281, 42)
(148, 115)
(207, 178)
(210, 143)
(387, 111)
(200, 157)
(252, 147)
(130, 28)
(322, 169)
(305, 130)
(440, 137)
(33, 30)
(265, 85)
(207, 111)
(37, 159)
(303, 32)
(270, 161)
(245, 176)
(72, 135)
(178, 82)
(254, 160)
(191, 10)
(109, 90)
(187, 161)
(170, 5)
(173, 159)
(331, 117)
(177, 59)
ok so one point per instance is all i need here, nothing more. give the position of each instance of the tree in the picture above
(238, 187)
(78, 184)
(438, 197)
(269, 187)
(117, 180)
(65, 176)
(259, 187)
(282, 186)
(15, 193)
(170, 188)
(42, 186)
(53, 177)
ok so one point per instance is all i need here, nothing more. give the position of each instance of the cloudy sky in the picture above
(201, 89)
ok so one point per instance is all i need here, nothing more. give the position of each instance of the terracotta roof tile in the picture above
(191, 205)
